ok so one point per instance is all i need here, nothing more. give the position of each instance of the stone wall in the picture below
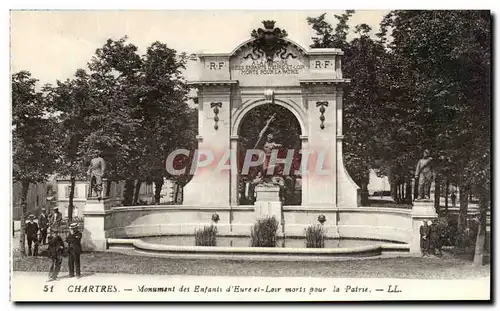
(369, 223)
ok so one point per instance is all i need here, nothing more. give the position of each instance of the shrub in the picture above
(263, 233)
(206, 236)
(315, 236)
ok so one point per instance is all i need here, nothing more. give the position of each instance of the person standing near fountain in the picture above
(74, 250)
(425, 230)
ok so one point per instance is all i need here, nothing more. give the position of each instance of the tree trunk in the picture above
(462, 217)
(180, 196)
(481, 230)
(24, 210)
(71, 197)
(158, 185)
(364, 194)
(437, 193)
(408, 198)
(108, 188)
(136, 192)
(128, 192)
(462, 214)
(176, 192)
(394, 191)
(446, 194)
(415, 190)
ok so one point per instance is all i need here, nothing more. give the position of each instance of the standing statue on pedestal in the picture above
(425, 175)
(96, 171)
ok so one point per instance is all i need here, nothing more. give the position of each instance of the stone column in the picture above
(210, 185)
(338, 66)
(234, 170)
(304, 177)
(96, 220)
(422, 210)
(268, 203)
(347, 189)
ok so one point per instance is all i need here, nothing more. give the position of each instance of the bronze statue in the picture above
(425, 175)
(96, 171)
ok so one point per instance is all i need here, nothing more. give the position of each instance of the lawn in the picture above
(448, 267)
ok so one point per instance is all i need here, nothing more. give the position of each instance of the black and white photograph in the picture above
(250, 155)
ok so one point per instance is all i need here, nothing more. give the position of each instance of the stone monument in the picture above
(270, 69)
(425, 175)
(96, 213)
(423, 205)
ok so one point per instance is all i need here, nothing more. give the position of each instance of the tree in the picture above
(449, 53)
(362, 64)
(72, 103)
(145, 110)
(33, 145)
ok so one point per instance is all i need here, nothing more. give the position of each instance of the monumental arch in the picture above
(272, 69)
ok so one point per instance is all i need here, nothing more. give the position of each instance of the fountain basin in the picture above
(374, 248)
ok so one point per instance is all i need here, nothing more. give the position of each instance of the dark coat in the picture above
(424, 231)
(55, 218)
(74, 242)
(56, 246)
(31, 230)
(435, 236)
(43, 222)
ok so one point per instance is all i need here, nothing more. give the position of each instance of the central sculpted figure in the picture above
(269, 146)
(96, 171)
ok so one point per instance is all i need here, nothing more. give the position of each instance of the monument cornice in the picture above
(212, 82)
(302, 50)
(324, 81)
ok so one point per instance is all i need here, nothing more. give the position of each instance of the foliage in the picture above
(263, 233)
(363, 58)
(128, 106)
(422, 83)
(315, 236)
(33, 142)
(34, 148)
(206, 236)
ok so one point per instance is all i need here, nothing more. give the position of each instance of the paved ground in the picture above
(448, 267)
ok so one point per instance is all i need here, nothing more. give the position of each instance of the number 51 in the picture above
(47, 288)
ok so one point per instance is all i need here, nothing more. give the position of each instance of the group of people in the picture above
(430, 239)
(46, 231)
(56, 249)
(36, 232)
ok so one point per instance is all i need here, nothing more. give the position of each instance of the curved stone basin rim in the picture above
(139, 244)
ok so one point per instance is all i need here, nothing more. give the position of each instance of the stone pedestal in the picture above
(422, 210)
(96, 221)
(268, 203)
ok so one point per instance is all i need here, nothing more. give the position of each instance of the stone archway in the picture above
(293, 107)
(249, 125)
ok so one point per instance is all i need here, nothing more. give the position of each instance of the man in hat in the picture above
(74, 250)
(435, 238)
(43, 224)
(55, 218)
(424, 238)
(32, 235)
(56, 248)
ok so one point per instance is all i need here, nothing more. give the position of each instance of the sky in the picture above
(52, 45)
